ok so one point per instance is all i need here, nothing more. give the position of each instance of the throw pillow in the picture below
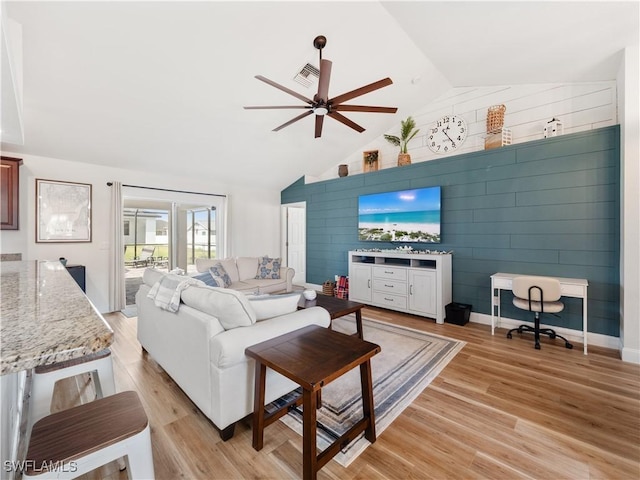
(230, 307)
(269, 306)
(268, 268)
(207, 278)
(220, 275)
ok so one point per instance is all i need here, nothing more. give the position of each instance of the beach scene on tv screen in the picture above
(402, 216)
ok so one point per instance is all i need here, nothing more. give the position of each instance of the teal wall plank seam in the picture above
(546, 207)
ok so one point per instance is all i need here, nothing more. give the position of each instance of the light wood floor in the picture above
(499, 410)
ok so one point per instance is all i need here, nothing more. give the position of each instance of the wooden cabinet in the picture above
(9, 191)
(417, 283)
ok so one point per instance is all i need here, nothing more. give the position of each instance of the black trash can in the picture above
(457, 313)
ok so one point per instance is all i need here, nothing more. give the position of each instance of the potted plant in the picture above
(408, 130)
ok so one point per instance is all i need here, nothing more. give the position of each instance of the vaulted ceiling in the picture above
(160, 86)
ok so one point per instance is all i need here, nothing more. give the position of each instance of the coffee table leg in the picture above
(367, 400)
(309, 453)
(258, 405)
(359, 324)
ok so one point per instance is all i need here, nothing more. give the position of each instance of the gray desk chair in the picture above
(538, 295)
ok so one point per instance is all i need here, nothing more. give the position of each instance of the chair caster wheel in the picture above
(568, 345)
(537, 346)
(509, 335)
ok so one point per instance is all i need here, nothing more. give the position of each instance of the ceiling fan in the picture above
(321, 104)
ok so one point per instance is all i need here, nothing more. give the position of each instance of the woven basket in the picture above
(495, 118)
(328, 287)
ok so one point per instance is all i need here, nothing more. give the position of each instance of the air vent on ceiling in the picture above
(307, 75)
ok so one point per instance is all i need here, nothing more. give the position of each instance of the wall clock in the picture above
(447, 134)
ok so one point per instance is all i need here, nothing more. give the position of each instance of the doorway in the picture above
(294, 224)
(147, 241)
(166, 235)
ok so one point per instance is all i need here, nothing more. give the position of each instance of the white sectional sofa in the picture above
(201, 346)
(242, 272)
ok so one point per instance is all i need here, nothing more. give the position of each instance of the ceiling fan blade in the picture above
(284, 89)
(299, 117)
(363, 108)
(277, 107)
(323, 82)
(360, 91)
(319, 122)
(341, 118)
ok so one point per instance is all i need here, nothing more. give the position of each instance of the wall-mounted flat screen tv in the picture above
(401, 216)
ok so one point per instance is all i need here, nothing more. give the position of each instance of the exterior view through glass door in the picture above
(169, 230)
(200, 235)
(146, 242)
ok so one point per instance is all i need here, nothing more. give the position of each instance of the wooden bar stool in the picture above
(72, 442)
(45, 377)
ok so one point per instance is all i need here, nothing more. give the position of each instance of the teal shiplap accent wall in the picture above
(546, 207)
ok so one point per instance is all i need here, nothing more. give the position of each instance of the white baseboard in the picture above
(631, 355)
(597, 339)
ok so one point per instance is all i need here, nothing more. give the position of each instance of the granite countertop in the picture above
(45, 317)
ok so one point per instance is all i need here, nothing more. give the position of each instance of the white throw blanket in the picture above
(166, 292)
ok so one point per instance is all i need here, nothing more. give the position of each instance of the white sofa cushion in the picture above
(247, 267)
(269, 306)
(204, 264)
(151, 276)
(227, 348)
(230, 307)
(229, 264)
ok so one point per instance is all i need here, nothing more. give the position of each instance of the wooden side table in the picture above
(313, 357)
(337, 307)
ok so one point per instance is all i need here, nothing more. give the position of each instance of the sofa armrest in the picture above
(288, 273)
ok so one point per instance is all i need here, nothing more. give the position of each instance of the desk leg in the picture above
(584, 321)
(359, 324)
(258, 406)
(309, 452)
(495, 307)
(367, 400)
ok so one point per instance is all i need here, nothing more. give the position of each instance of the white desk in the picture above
(570, 287)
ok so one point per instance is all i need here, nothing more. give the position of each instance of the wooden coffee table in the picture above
(337, 307)
(313, 357)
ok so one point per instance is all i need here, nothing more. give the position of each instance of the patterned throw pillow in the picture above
(207, 278)
(220, 275)
(268, 268)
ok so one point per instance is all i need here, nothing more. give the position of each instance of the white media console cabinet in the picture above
(417, 283)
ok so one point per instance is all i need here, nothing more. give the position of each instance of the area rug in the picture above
(409, 361)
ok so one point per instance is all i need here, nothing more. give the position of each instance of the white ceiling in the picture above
(160, 86)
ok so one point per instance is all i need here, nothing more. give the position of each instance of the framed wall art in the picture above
(63, 211)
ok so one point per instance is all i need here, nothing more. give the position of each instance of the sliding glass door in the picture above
(169, 233)
(196, 234)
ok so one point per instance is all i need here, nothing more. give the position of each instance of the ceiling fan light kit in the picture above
(321, 105)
